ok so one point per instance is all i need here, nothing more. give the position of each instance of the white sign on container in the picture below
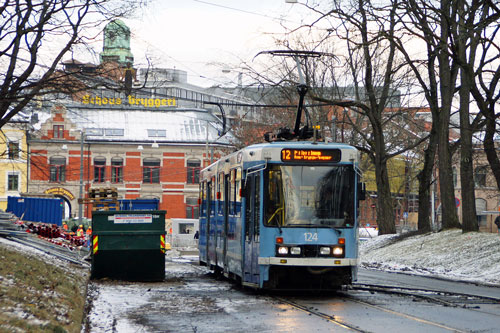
(133, 218)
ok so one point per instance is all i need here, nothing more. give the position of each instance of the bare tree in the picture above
(375, 70)
(36, 35)
(452, 31)
(484, 75)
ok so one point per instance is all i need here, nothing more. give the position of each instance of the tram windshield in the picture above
(312, 196)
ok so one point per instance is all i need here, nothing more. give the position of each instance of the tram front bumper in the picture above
(320, 262)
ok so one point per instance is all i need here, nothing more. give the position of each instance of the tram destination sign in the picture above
(310, 155)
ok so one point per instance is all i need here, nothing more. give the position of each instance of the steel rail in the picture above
(414, 292)
(405, 315)
(319, 314)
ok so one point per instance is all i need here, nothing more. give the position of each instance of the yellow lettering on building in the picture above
(60, 191)
(151, 102)
(87, 99)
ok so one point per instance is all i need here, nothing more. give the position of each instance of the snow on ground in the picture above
(473, 257)
(451, 254)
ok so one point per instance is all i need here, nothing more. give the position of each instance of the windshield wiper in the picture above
(303, 225)
(334, 228)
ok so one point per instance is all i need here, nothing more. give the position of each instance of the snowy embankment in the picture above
(473, 257)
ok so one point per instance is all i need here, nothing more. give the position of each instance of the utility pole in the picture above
(80, 195)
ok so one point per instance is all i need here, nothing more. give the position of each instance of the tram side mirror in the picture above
(361, 191)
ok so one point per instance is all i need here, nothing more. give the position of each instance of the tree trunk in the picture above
(385, 209)
(448, 72)
(489, 144)
(425, 183)
(448, 204)
(469, 219)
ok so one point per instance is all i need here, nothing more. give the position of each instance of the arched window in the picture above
(480, 176)
(117, 170)
(193, 171)
(99, 169)
(151, 170)
(57, 165)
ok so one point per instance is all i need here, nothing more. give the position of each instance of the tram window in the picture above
(256, 209)
(220, 187)
(309, 195)
(232, 193)
(203, 198)
(248, 210)
(274, 204)
(209, 199)
(237, 201)
(220, 193)
(212, 197)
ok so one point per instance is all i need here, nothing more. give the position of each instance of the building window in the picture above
(13, 183)
(481, 212)
(193, 171)
(113, 131)
(57, 167)
(480, 176)
(186, 228)
(192, 209)
(151, 170)
(413, 203)
(99, 170)
(13, 150)
(116, 170)
(94, 131)
(58, 131)
(157, 133)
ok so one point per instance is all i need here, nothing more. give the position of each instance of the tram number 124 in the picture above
(310, 236)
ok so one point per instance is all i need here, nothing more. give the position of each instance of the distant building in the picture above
(143, 151)
(13, 158)
(148, 138)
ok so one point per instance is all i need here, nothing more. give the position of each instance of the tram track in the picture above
(445, 298)
(352, 327)
(312, 311)
(441, 298)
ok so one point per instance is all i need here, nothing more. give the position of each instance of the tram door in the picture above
(211, 223)
(207, 225)
(252, 229)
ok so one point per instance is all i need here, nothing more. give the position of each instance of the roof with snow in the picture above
(129, 124)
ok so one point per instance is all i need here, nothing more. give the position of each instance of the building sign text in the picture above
(145, 102)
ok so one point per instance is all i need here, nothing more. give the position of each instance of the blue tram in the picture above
(282, 215)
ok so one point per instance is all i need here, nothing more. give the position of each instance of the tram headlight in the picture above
(338, 251)
(325, 250)
(295, 250)
(282, 250)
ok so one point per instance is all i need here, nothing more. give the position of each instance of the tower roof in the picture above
(116, 45)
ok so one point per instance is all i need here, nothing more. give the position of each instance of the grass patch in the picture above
(39, 294)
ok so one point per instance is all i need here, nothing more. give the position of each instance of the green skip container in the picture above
(128, 245)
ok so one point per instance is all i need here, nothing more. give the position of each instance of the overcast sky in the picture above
(193, 34)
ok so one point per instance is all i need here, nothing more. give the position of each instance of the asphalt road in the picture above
(193, 300)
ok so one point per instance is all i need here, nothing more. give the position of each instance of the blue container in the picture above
(46, 210)
(139, 204)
